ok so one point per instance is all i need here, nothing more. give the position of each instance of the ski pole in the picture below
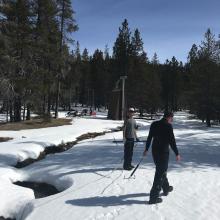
(128, 141)
(136, 167)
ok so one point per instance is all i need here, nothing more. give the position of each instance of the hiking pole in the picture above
(136, 167)
(134, 141)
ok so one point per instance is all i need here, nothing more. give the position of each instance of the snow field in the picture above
(95, 186)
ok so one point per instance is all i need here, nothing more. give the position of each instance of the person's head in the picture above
(168, 116)
(131, 112)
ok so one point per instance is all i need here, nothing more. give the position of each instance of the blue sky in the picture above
(168, 27)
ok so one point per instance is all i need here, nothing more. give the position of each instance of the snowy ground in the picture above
(95, 187)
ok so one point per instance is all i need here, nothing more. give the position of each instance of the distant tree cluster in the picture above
(203, 69)
(34, 54)
(40, 71)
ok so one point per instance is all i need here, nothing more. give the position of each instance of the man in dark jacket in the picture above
(162, 134)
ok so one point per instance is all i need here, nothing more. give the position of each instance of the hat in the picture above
(168, 114)
(131, 110)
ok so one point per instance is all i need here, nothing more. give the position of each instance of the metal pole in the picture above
(123, 98)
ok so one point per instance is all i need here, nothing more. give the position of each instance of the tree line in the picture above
(34, 55)
(42, 68)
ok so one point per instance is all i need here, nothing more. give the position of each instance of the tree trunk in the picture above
(24, 112)
(141, 112)
(61, 55)
(7, 111)
(17, 109)
(76, 96)
(11, 112)
(28, 116)
(57, 98)
(49, 103)
(44, 104)
(208, 121)
(69, 100)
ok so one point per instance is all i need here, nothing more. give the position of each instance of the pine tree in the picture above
(135, 82)
(74, 76)
(205, 79)
(155, 60)
(122, 51)
(193, 54)
(17, 29)
(45, 52)
(98, 79)
(209, 49)
(171, 75)
(137, 44)
(85, 86)
(67, 26)
(108, 69)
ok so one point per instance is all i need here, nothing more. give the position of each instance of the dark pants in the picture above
(128, 152)
(160, 178)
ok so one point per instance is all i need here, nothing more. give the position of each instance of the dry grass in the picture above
(34, 124)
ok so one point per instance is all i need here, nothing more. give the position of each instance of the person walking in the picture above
(129, 136)
(162, 134)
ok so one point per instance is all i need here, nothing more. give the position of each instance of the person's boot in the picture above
(127, 168)
(166, 192)
(155, 201)
(131, 166)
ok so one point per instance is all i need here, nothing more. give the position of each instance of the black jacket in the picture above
(162, 134)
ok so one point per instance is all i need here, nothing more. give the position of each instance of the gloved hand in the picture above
(137, 139)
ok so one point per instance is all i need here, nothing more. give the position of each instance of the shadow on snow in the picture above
(106, 201)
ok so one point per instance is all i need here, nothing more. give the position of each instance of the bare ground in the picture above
(34, 124)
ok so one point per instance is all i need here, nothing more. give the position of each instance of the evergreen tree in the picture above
(98, 79)
(171, 77)
(135, 84)
(67, 26)
(193, 54)
(137, 44)
(45, 55)
(155, 60)
(75, 75)
(205, 79)
(122, 51)
(85, 85)
(16, 28)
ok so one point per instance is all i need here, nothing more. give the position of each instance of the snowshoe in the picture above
(127, 168)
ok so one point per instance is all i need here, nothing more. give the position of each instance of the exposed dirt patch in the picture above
(30, 161)
(41, 190)
(35, 124)
(4, 139)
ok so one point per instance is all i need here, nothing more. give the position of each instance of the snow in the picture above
(3, 117)
(95, 187)
(13, 198)
(30, 143)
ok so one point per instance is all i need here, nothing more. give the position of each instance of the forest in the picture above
(43, 69)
